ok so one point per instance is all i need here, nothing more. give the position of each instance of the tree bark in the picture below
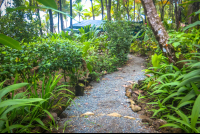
(61, 16)
(51, 20)
(58, 20)
(71, 14)
(92, 10)
(158, 29)
(176, 16)
(38, 15)
(134, 10)
(190, 10)
(102, 9)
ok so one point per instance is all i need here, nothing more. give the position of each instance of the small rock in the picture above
(129, 117)
(122, 103)
(150, 121)
(159, 123)
(176, 130)
(63, 115)
(114, 115)
(135, 108)
(87, 113)
(132, 102)
(128, 100)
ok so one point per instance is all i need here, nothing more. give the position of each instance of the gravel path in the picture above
(107, 96)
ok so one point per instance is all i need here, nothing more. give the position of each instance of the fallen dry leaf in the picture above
(147, 75)
(124, 85)
(86, 103)
(119, 69)
(130, 82)
(105, 79)
(142, 66)
(138, 92)
(118, 77)
(116, 90)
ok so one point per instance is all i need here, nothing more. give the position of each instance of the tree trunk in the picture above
(102, 8)
(71, 14)
(139, 13)
(30, 4)
(190, 10)
(58, 22)
(51, 20)
(158, 29)
(92, 10)
(176, 16)
(38, 15)
(134, 10)
(108, 6)
(196, 6)
(61, 16)
(128, 9)
(172, 14)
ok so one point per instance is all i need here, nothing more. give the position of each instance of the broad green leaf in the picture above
(11, 88)
(191, 74)
(8, 41)
(49, 3)
(18, 101)
(192, 25)
(159, 110)
(185, 103)
(189, 96)
(195, 88)
(183, 116)
(39, 121)
(195, 64)
(50, 115)
(170, 96)
(180, 121)
(12, 127)
(187, 81)
(89, 67)
(197, 12)
(176, 44)
(174, 126)
(195, 112)
(170, 84)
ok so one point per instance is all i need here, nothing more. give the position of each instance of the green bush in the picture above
(49, 55)
(120, 35)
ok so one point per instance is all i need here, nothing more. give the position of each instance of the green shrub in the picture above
(49, 55)
(120, 35)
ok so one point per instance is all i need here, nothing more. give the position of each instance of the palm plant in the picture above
(79, 9)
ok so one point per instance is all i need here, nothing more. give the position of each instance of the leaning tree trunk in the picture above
(158, 29)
